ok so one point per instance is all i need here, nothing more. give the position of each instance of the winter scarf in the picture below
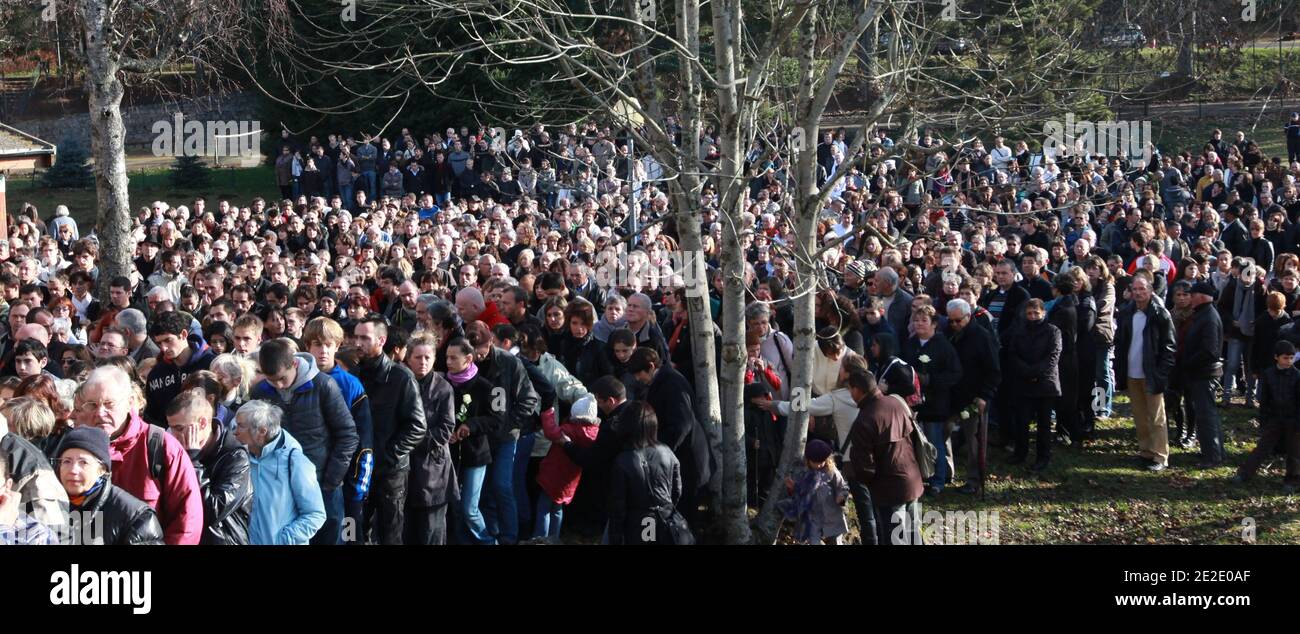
(460, 378)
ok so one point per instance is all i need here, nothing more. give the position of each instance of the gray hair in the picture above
(159, 293)
(616, 299)
(109, 374)
(889, 275)
(757, 310)
(133, 320)
(959, 305)
(642, 298)
(261, 415)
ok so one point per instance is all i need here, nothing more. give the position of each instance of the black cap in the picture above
(90, 439)
(1283, 347)
(1205, 287)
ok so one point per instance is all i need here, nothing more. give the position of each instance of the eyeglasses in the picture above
(91, 407)
(81, 463)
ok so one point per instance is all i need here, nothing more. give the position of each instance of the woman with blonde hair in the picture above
(237, 375)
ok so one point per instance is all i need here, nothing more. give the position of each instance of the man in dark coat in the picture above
(670, 394)
(596, 458)
(977, 350)
(222, 466)
(935, 360)
(883, 465)
(316, 415)
(397, 417)
(1065, 316)
(1200, 362)
(1144, 360)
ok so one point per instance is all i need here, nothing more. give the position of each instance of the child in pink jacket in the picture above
(558, 476)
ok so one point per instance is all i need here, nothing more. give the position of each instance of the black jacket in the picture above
(938, 376)
(1200, 355)
(1034, 359)
(433, 480)
(396, 412)
(977, 350)
(318, 418)
(482, 419)
(225, 480)
(1157, 346)
(1279, 396)
(1065, 316)
(126, 521)
(642, 479)
(585, 359)
(671, 397)
(502, 369)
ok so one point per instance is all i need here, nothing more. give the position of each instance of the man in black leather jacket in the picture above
(1147, 375)
(1200, 363)
(397, 413)
(221, 464)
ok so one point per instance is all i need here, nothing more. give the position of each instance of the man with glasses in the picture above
(147, 462)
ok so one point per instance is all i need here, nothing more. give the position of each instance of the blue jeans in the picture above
(1105, 382)
(346, 193)
(332, 530)
(899, 525)
(371, 185)
(866, 512)
(523, 454)
(499, 504)
(549, 517)
(472, 528)
(1209, 432)
(938, 435)
(1237, 358)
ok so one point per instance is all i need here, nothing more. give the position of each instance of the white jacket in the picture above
(839, 405)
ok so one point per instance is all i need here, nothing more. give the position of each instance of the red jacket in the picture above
(181, 511)
(492, 316)
(558, 475)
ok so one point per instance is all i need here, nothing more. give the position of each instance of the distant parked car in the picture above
(1123, 36)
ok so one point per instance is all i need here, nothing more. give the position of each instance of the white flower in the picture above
(925, 358)
(464, 398)
(965, 415)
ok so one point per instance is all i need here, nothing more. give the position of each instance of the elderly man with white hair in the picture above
(148, 462)
(897, 302)
(977, 350)
(133, 322)
(639, 318)
(288, 507)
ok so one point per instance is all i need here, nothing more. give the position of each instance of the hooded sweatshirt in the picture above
(164, 381)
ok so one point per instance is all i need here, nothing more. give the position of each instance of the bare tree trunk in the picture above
(1187, 46)
(731, 379)
(108, 138)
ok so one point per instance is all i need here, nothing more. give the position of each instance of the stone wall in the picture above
(139, 120)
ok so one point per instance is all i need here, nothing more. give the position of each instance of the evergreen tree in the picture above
(190, 172)
(70, 167)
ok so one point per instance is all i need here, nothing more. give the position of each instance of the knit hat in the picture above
(90, 439)
(1205, 287)
(857, 267)
(1283, 347)
(584, 411)
(816, 451)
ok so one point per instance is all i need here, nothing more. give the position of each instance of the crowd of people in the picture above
(420, 342)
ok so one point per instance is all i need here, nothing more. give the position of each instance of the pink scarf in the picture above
(460, 378)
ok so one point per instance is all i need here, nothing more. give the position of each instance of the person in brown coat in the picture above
(882, 460)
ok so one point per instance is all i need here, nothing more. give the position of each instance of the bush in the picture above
(190, 172)
(71, 167)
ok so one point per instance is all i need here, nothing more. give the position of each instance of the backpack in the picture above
(157, 461)
(925, 452)
(917, 397)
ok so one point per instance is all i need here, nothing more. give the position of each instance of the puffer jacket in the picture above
(503, 370)
(126, 521)
(225, 479)
(288, 507)
(363, 461)
(318, 418)
(396, 412)
(1034, 359)
(558, 475)
(1157, 346)
(433, 480)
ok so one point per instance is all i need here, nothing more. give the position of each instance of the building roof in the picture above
(15, 142)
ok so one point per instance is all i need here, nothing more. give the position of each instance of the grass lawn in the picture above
(1099, 495)
(146, 185)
